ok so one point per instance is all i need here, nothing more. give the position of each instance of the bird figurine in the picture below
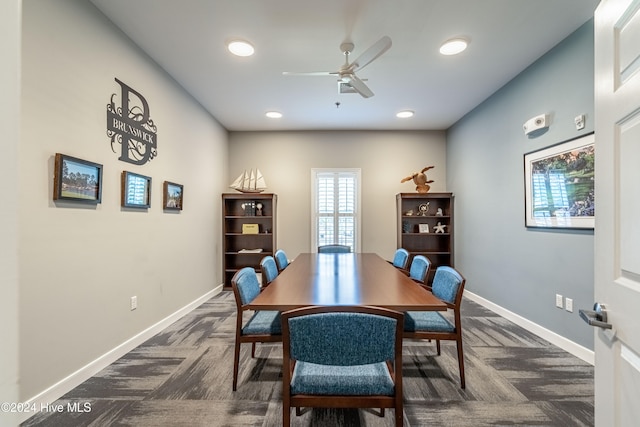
(420, 180)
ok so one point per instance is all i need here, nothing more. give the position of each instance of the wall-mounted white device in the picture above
(535, 123)
(579, 120)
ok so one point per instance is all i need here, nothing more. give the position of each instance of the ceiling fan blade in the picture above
(380, 47)
(312, 73)
(359, 86)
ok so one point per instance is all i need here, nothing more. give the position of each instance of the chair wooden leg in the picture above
(399, 416)
(382, 412)
(460, 362)
(253, 350)
(236, 362)
(286, 414)
(298, 411)
(438, 346)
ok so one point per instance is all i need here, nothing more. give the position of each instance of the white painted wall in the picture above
(78, 265)
(286, 160)
(10, 125)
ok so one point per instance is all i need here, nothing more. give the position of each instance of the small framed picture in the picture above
(136, 190)
(423, 228)
(173, 196)
(77, 180)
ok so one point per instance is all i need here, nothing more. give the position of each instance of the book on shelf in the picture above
(249, 251)
(250, 229)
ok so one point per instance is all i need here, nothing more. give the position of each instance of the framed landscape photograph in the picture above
(77, 180)
(173, 195)
(559, 185)
(136, 190)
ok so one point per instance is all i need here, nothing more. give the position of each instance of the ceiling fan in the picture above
(348, 82)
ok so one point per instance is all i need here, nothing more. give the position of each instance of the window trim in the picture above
(357, 241)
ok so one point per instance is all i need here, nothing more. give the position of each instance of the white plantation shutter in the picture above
(336, 209)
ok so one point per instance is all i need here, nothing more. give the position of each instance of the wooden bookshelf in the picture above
(246, 249)
(413, 223)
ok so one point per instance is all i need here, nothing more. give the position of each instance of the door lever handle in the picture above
(596, 317)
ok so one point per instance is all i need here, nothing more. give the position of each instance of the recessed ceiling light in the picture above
(405, 114)
(454, 46)
(273, 114)
(240, 48)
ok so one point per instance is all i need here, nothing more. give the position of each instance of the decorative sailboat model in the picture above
(250, 182)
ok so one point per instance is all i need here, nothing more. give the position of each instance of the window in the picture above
(336, 207)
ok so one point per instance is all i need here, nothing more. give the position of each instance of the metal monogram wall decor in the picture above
(130, 125)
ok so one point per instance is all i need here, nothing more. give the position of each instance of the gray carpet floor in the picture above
(183, 375)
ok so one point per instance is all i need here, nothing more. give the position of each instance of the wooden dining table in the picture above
(344, 279)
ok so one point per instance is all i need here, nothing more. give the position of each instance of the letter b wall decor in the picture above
(131, 126)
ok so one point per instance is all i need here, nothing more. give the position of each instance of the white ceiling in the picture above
(187, 39)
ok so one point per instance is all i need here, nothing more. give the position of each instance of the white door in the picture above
(617, 229)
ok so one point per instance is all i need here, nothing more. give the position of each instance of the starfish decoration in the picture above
(439, 228)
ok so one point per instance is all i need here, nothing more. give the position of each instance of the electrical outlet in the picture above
(568, 305)
(134, 303)
(558, 300)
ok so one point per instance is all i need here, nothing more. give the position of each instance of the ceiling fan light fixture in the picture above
(405, 114)
(273, 114)
(240, 48)
(454, 46)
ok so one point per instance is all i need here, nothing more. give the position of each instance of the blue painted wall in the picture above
(514, 267)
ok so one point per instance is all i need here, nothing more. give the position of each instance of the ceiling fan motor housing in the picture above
(346, 47)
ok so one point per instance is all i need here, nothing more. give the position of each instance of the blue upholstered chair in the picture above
(281, 259)
(448, 285)
(419, 269)
(334, 249)
(269, 270)
(342, 357)
(263, 326)
(401, 259)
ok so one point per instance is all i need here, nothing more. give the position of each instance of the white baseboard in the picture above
(555, 339)
(67, 384)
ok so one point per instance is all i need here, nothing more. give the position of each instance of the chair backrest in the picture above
(401, 258)
(343, 335)
(245, 286)
(419, 268)
(448, 285)
(269, 269)
(334, 249)
(365, 341)
(281, 259)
